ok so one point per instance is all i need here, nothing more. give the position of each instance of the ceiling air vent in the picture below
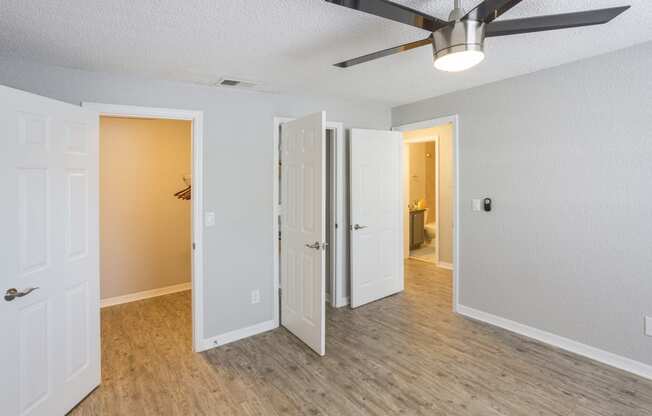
(235, 83)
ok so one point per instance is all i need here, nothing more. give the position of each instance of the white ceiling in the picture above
(290, 45)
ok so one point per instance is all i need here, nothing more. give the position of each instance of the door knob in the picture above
(359, 227)
(13, 293)
(317, 245)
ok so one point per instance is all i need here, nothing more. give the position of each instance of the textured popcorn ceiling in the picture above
(290, 45)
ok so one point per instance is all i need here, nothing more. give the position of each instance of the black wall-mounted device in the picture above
(487, 204)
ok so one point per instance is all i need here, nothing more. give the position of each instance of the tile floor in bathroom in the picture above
(427, 252)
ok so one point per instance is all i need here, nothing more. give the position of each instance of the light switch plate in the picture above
(476, 205)
(210, 219)
(648, 326)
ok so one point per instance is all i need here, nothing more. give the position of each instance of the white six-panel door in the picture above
(303, 229)
(376, 215)
(49, 347)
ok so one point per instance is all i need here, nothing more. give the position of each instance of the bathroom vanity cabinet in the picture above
(417, 230)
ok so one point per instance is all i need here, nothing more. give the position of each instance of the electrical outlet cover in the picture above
(648, 326)
(210, 219)
(255, 296)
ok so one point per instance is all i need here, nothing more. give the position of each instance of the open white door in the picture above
(303, 229)
(376, 215)
(50, 343)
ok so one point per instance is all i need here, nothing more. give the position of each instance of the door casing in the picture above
(454, 120)
(199, 342)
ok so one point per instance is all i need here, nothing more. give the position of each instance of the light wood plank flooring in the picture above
(404, 355)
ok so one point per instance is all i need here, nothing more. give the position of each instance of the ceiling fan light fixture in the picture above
(459, 47)
(456, 61)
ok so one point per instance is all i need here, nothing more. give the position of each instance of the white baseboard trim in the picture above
(443, 265)
(605, 357)
(338, 302)
(146, 294)
(226, 338)
(342, 302)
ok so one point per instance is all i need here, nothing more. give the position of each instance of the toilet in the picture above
(431, 230)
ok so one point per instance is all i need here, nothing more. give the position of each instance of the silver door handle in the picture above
(14, 293)
(359, 227)
(317, 245)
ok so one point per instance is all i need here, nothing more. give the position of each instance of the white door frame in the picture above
(454, 120)
(337, 235)
(434, 139)
(197, 119)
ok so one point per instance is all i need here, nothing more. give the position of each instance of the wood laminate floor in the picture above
(404, 355)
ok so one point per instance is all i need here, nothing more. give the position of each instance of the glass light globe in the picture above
(459, 61)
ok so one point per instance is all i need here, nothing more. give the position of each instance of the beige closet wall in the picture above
(144, 229)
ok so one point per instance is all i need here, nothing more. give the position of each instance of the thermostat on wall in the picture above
(487, 204)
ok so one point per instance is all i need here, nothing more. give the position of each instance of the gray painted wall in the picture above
(566, 154)
(238, 159)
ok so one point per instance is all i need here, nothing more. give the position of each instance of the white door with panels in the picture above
(49, 276)
(303, 229)
(376, 215)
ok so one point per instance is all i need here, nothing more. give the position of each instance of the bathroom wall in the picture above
(430, 155)
(422, 176)
(406, 200)
(144, 229)
(417, 172)
(446, 193)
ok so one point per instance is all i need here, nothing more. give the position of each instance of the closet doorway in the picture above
(150, 215)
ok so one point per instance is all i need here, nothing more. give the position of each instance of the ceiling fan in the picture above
(458, 44)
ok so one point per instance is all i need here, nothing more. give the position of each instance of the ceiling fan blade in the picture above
(385, 52)
(393, 11)
(489, 10)
(553, 22)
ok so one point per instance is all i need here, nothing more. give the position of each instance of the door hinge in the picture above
(193, 246)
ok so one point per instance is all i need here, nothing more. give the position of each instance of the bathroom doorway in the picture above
(428, 194)
(422, 194)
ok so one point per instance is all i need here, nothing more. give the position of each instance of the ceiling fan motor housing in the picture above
(463, 35)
